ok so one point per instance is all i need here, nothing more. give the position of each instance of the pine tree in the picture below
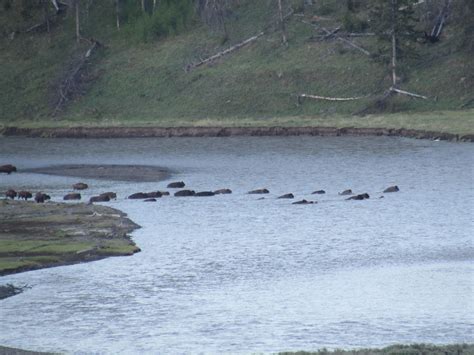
(394, 22)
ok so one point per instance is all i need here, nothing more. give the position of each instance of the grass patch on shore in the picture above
(456, 122)
(415, 349)
(33, 235)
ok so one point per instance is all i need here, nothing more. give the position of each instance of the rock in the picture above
(11, 194)
(176, 185)
(185, 193)
(73, 196)
(99, 198)
(80, 186)
(303, 202)
(346, 192)
(259, 191)
(204, 194)
(41, 197)
(223, 191)
(138, 196)
(111, 195)
(25, 195)
(150, 200)
(319, 192)
(261, 198)
(359, 197)
(287, 196)
(382, 196)
(391, 189)
(8, 169)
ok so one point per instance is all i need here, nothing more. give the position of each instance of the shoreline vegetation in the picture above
(413, 349)
(35, 236)
(446, 125)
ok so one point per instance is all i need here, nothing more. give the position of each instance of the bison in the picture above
(41, 197)
(80, 186)
(72, 196)
(8, 169)
(259, 191)
(25, 195)
(176, 185)
(11, 194)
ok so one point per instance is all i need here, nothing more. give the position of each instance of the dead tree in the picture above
(394, 89)
(117, 14)
(282, 23)
(440, 21)
(233, 48)
(78, 27)
(69, 87)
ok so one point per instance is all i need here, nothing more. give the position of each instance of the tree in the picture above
(282, 23)
(394, 22)
(213, 13)
(78, 27)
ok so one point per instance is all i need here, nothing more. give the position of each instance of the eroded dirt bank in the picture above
(142, 132)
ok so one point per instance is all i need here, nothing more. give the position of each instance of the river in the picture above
(235, 274)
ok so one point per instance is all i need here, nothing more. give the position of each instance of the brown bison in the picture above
(80, 186)
(359, 197)
(8, 169)
(287, 196)
(185, 193)
(25, 195)
(392, 189)
(99, 198)
(204, 194)
(223, 191)
(41, 197)
(111, 195)
(176, 185)
(259, 191)
(73, 196)
(303, 202)
(11, 194)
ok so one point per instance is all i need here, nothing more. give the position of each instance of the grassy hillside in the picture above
(132, 81)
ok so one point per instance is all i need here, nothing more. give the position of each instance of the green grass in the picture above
(131, 83)
(456, 122)
(415, 349)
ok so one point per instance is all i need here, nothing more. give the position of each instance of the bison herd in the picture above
(41, 197)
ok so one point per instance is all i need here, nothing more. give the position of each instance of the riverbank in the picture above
(35, 236)
(414, 349)
(446, 125)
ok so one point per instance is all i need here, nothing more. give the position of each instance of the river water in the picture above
(234, 274)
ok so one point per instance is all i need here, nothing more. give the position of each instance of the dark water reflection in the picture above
(232, 274)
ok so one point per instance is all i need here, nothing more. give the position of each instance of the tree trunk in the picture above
(78, 28)
(143, 5)
(46, 15)
(117, 14)
(394, 43)
(282, 23)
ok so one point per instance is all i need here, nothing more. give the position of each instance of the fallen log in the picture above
(327, 98)
(223, 53)
(233, 48)
(407, 93)
(328, 34)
